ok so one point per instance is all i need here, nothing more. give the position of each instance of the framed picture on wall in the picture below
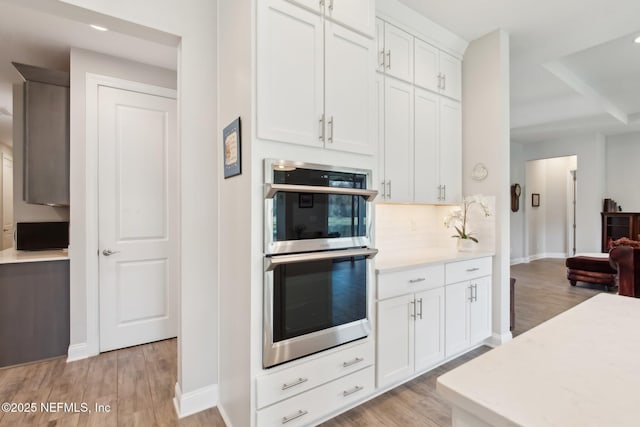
(535, 200)
(231, 147)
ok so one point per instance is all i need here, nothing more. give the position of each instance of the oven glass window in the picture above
(316, 295)
(298, 216)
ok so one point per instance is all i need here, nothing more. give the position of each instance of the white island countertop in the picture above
(578, 369)
(12, 256)
(408, 259)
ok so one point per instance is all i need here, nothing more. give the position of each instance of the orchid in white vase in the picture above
(458, 218)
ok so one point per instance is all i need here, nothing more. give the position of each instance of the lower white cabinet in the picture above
(410, 326)
(428, 314)
(467, 304)
(303, 409)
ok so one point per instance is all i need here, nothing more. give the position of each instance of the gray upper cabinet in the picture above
(46, 145)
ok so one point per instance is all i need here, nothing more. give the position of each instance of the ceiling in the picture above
(574, 66)
(42, 39)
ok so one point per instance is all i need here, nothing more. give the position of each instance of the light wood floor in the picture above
(138, 382)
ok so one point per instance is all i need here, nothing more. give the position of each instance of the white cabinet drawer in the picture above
(308, 407)
(409, 281)
(271, 388)
(466, 270)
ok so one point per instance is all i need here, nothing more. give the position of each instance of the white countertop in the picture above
(408, 259)
(12, 256)
(578, 369)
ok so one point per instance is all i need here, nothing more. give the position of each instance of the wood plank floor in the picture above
(138, 382)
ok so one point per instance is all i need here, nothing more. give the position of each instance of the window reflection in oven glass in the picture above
(316, 295)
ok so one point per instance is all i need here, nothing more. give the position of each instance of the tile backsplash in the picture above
(414, 227)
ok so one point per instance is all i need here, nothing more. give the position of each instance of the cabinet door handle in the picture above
(389, 189)
(299, 381)
(384, 190)
(444, 82)
(382, 62)
(413, 304)
(420, 302)
(471, 270)
(419, 279)
(475, 292)
(330, 139)
(439, 80)
(389, 59)
(353, 390)
(470, 287)
(297, 415)
(444, 192)
(330, 4)
(321, 137)
(352, 362)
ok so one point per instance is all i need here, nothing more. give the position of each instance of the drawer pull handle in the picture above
(419, 279)
(297, 415)
(471, 270)
(353, 362)
(353, 390)
(295, 383)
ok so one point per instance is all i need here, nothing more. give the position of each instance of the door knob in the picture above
(109, 252)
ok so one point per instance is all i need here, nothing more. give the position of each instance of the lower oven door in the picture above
(314, 301)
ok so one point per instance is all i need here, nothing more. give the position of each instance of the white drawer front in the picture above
(469, 269)
(288, 382)
(308, 407)
(409, 281)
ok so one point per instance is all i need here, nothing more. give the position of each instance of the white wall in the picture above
(236, 210)
(623, 171)
(22, 211)
(517, 219)
(7, 151)
(84, 263)
(590, 153)
(485, 138)
(194, 22)
(536, 182)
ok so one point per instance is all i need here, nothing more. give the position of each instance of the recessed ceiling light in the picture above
(98, 27)
(637, 40)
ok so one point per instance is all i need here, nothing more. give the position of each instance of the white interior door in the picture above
(138, 185)
(7, 202)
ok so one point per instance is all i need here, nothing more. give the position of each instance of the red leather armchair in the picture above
(627, 261)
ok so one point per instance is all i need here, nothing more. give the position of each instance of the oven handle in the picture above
(270, 190)
(271, 263)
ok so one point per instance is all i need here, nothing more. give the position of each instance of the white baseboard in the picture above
(195, 401)
(225, 417)
(521, 260)
(496, 340)
(78, 352)
(555, 255)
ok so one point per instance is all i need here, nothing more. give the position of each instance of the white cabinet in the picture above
(437, 71)
(396, 53)
(349, 98)
(410, 327)
(303, 62)
(467, 304)
(397, 184)
(359, 15)
(438, 149)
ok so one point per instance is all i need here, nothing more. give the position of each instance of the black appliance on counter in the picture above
(40, 236)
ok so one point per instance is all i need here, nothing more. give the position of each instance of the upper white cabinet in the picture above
(395, 58)
(450, 155)
(359, 15)
(437, 71)
(315, 84)
(397, 183)
(349, 99)
(427, 142)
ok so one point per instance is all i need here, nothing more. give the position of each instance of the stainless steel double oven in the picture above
(317, 252)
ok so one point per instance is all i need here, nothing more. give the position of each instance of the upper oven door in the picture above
(314, 207)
